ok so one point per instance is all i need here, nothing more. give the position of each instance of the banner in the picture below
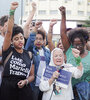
(63, 79)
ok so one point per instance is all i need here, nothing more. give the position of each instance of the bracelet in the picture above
(78, 60)
(27, 81)
(50, 32)
(11, 12)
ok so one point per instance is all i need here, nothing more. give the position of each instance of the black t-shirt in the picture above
(18, 64)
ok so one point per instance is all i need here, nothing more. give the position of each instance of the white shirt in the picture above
(66, 94)
(42, 66)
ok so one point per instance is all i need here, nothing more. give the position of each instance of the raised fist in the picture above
(75, 52)
(14, 5)
(62, 10)
(53, 22)
(34, 5)
(38, 24)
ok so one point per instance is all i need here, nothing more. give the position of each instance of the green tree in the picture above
(87, 23)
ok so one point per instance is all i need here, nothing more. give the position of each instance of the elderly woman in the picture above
(57, 59)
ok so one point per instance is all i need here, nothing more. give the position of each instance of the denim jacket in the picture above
(30, 42)
(31, 47)
(83, 90)
(36, 57)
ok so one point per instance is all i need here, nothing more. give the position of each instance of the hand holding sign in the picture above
(63, 78)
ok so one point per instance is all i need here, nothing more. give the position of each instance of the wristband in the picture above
(27, 81)
(78, 60)
(11, 12)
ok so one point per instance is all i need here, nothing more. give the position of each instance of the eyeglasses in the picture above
(77, 45)
(40, 39)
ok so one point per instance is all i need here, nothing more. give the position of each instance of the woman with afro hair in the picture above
(77, 38)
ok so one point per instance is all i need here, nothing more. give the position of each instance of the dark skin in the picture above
(18, 42)
(80, 46)
(88, 43)
(65, 40)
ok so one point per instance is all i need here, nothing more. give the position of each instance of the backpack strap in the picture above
(30, 54)
(7, 58)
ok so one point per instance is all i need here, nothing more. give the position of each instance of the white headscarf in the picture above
(51, 60)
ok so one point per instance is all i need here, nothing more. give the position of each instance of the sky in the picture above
(5, 6)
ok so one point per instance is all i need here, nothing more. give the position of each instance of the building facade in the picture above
(77, 11)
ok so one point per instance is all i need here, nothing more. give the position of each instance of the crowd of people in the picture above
(26, 53)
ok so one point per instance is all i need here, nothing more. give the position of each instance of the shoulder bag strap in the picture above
(7, 58)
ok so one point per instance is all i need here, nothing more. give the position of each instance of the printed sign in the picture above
(63, 79)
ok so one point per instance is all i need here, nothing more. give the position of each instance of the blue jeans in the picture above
(83, 90)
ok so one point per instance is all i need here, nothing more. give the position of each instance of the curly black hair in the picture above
(16, 30)
(80, 33)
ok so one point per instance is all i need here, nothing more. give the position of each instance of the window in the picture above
(24, 20)
(80, 13)
(42, 0)
(53, 0)
(80, 2)
(26, 2)
(53, 12)
(42, 12)
(26, 13)
(67, 1)
(68, 12)
(88, 13)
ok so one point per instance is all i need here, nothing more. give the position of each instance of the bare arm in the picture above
(31, 77)
(43, 30)
(7, 39)
(49, 35)
(29, 20)
(0, 52)
(22, 83)
(88, 46)
(30, 42)
(64, 37)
